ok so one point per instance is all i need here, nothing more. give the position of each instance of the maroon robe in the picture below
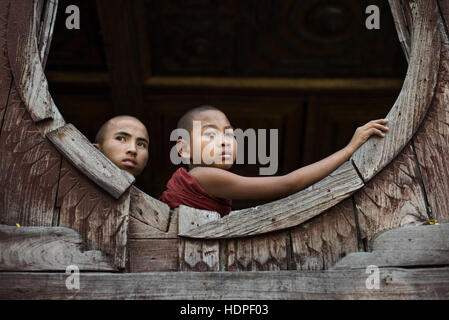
(183, 189)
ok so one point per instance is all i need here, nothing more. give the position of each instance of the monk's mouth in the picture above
(129, 163)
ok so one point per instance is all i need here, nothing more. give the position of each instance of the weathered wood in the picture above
(416, 246)
(101, 220)
(140, 230)
(46, 30)
(90, 161)
(320, 242)
(197, 255)
(29, 169)
(149, 211)
(432, 144)
(400, 22)
(288, 212)
(47, 249)
(259, 253)
(415, 97)
(395, 283)
(25, 61)
(5, 70)
(392, 199)
(153, 255)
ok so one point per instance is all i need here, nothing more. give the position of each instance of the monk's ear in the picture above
(96, 145)
(183, 148)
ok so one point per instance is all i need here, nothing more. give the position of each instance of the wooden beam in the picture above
(400, 22)
(26, 62)
(285, 213)
(417, 246)
(47, 249)
(394, 283)
(46, 30)
(416, 95)
(90, 161)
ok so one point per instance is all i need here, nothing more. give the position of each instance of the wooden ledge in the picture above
(284, 213)
(90, 161)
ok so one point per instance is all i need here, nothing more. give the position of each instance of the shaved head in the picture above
(186, 121)
(99, 138)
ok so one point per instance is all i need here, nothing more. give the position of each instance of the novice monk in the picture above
(124, 140)
(211, 187)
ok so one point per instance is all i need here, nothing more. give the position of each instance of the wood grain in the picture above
(395, 283)
(415, 97)
(5, 70)
(417, 246)
(90, 161)
(322, 241)
(47, 249)
(400, 22)
(29, 169)
(197, 255)
(100, 219)
(148, 255)
(392, 199)
(432, 144)
(25, 61)
(267, 252)
(287, 212)
(46, 31)
(149, 211)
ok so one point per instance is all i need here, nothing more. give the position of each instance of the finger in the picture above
(380, 127)
(377, 132)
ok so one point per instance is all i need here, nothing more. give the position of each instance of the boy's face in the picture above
(125, 143)
(212, 140)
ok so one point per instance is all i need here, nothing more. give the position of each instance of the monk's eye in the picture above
(142, 145)
(210, 133)
(230, 134)
(120, 138)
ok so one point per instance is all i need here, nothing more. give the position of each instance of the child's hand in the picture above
(363, 133)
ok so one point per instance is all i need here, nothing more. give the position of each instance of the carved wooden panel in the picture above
(432, 144)
(268, 252)
(101, 220)
(29, 169)
(271, 38)
(394, 198)
(320, 242)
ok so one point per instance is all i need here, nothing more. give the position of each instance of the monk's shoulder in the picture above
(206, 175)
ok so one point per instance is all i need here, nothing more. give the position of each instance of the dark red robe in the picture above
(183, 189)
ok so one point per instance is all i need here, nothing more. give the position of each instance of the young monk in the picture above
(124, 140)
(209, 186)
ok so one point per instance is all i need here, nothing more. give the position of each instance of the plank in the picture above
(147, 255)
(392, 199)
(400, 22)
(322, 241)
(432, 144)
(267, 252)
(90, 161)
(197, 255)
(416, 246)
(140, 230)
(5, 70)
(101, 220)
(46, 31)
(25, 61)
(287, 212)
(395, 283)
(29, 169)
(416, 95)
(47, 249)
(149, 211)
